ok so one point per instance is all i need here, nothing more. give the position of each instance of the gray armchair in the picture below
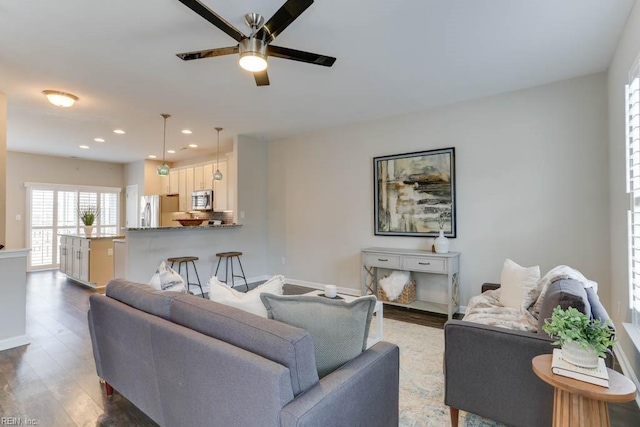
(488, 368)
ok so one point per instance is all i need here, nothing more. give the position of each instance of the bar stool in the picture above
(186, 260)
(228, 257)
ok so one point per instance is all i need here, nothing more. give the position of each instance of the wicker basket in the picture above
(407, 296)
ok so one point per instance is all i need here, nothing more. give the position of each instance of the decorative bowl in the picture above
(190, 222)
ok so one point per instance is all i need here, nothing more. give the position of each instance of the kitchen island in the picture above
(87, 259)
(147, 247)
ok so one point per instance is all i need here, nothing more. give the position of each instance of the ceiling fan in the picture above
(255, 48)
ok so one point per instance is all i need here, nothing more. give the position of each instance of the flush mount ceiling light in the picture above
(193, 145)
(98, 139)
(187, 132)
(118, 131)
(60, 99)
(152, 156)
(217, 176)
(171, 151)
(84, 147)
(163, 169)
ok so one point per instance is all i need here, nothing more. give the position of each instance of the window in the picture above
(633, 187)
(53, 212)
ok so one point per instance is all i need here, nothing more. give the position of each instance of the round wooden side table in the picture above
(578, 403)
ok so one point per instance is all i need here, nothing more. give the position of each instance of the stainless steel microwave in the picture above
(202, 200)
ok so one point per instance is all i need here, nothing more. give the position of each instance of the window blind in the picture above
(54, 212)
(633, 187)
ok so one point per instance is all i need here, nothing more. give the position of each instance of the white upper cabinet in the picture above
(174, 182)
(221, 189)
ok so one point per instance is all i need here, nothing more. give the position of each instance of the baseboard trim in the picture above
(13, 342)
(315, 285)
(627, 370)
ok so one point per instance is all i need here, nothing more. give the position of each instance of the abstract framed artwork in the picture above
(415, 194)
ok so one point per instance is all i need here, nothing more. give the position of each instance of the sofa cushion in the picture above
(339, 329)
(248, 301)
(143, 297)
(516, 281)
(564, 293)
(289, 346)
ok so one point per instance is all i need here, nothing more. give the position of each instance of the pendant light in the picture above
(217, 176)
(163, 169)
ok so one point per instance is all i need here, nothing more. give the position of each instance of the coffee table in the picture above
(580, 403)
(377, 311)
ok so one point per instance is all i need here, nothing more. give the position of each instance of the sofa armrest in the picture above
(362, 392)
(488, 372)
(489, 287)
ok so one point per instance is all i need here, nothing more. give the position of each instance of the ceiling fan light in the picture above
(253, 55)
(60, 99)
(253, 61)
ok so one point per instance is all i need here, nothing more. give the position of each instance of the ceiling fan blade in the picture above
(282, 18)
(262, 78)
(199, 54)
(298, 55)
(214, 18)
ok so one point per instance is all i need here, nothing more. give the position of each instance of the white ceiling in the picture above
(393, 57)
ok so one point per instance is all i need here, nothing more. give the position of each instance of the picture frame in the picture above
(415, 194)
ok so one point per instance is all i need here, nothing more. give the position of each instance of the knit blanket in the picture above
(486, 309)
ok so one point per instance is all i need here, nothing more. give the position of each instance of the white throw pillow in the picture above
(167, 279)
(247, 301)
(515, 283)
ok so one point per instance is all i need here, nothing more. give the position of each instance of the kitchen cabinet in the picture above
(189, 187)
(182, 190)
(207, 176)
(197, 178)
(174, 183)
(87, 260)
(221, 189)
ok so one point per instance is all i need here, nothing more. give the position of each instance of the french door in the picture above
(53, 211)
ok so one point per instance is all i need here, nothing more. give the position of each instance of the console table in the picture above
(418, 261)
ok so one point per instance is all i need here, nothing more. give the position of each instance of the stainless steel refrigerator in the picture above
(157, 211)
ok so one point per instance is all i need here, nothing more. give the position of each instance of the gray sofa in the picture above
(186, 361)
(488, 368)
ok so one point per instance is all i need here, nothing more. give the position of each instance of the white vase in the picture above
(88, 229)
(441, 243)
(574, 353)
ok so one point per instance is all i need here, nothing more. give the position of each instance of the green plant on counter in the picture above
(88, 215)
(572, 325)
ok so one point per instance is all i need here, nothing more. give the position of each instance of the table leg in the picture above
(574, 410)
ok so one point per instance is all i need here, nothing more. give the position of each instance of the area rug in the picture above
(421, 377)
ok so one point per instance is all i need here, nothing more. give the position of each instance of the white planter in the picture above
(574, 353)
(88, 229)
(441, 243)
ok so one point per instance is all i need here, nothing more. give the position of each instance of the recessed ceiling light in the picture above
(86, 147)
(171, 151)
(187, 132)
(193, 145)
(60, 99)
(151, 156)
(118, 131)
(98, 139)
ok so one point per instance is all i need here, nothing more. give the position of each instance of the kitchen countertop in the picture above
(96, 237)
(180, 227)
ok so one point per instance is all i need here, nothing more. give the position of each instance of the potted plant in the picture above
(583, 340)
(88, 216)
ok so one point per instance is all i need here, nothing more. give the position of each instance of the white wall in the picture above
(627, 51)
(13, 288)
(25, 167)
(531, 185)
(3, 167)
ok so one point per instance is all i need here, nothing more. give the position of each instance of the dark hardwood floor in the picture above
(52, 381)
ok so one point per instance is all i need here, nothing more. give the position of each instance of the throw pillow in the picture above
(248, 301)
(515, 283)
(167, 279)
(339, 329)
